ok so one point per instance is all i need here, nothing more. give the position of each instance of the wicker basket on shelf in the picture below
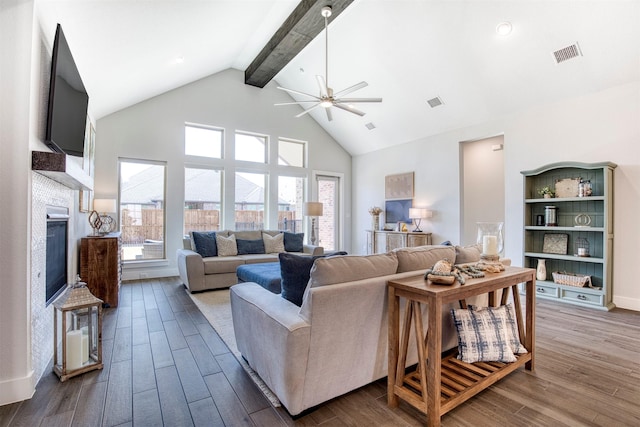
(571, 279)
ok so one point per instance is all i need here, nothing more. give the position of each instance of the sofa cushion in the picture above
(293, 242)
(227, 245)
(219, 265)
(330, 270)
(250, 246)
(482, 336)
(247, 234)
(466, 254)
(422, 257)
(204, 243)
(273, 244)
(295, 271)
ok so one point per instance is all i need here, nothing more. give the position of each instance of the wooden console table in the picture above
(440, 384)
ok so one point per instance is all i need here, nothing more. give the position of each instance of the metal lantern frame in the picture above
(74, 310)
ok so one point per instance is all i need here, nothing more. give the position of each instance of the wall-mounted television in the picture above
(68, 101)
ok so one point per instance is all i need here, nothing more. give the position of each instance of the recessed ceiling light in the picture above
(179, 59)
(504, 28)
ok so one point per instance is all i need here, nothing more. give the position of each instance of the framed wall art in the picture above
(398, 186)
(555, 243)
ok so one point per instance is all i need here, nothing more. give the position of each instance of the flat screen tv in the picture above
(68, 101)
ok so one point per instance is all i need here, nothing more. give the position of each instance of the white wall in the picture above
(482, 185)
(603, 126)
(154, 129)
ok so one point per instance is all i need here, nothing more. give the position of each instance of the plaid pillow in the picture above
(509, 313)
(482, 336)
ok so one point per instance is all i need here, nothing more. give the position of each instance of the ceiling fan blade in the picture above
(295, 103)
(329, 115)
(351, 89)
(359, 100)
(350, 109)
(298, 92)
(308, 110)
(322, 84)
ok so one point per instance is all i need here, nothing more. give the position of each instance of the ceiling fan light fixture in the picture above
(326, 99)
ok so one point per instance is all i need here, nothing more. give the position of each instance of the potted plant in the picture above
(546, 192)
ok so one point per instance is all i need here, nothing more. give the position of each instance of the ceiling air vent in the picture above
(435, 102)
(370, 126)
(567, 53)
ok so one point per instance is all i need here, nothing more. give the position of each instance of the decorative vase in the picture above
(375, 222)
(541, 271)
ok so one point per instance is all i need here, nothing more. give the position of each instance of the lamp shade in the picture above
(419, 213)
(313, 209)
(104, 205)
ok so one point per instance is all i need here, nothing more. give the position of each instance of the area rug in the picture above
(216, 307)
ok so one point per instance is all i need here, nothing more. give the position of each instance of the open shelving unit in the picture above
(598, 234)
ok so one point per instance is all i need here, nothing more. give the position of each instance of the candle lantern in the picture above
(491, 238)
(77, 325)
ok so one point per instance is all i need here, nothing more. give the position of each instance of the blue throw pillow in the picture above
(295, 275)
(295, 271)
(250, 246)
(205, 243)
(293, 242)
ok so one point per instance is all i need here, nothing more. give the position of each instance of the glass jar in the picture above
(551, 216)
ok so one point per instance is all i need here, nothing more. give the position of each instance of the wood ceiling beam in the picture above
(302, 26)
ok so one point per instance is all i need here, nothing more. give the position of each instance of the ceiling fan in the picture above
(327, 98)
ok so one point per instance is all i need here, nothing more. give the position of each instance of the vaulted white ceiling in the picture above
(408, 51)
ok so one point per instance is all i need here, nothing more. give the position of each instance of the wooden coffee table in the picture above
(440, 384)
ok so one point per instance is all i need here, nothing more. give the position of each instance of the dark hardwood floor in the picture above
(165, 365)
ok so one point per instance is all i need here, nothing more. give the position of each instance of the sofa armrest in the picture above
(191, 269)
(313, 250)
(273, 338)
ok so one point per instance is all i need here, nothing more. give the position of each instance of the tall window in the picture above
(203, 141)
(202, 199)
(291, 153)
(328, 188)
(249, 201)
(251, 148)
(142, 196)
(290, 202)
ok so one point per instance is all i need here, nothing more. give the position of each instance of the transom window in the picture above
(203, 141)
(291, 153)
(251, 148)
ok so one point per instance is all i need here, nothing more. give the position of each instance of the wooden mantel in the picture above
(59, 168)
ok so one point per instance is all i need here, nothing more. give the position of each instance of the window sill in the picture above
(150, 263)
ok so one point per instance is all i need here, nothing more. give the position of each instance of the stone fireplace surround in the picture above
(46, 191)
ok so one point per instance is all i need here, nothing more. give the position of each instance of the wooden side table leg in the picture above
(434, 349)
(393, 326)
(530, 342)
(404, 343)
(422, 354)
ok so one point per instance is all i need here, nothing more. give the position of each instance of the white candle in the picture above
(490, 245)
(85, 344)
(74, 350)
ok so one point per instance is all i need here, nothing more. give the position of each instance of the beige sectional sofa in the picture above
(200, 273)
(337, 340)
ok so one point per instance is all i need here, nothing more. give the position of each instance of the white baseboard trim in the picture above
(148, 273)
(16, 389)
(627, 303)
